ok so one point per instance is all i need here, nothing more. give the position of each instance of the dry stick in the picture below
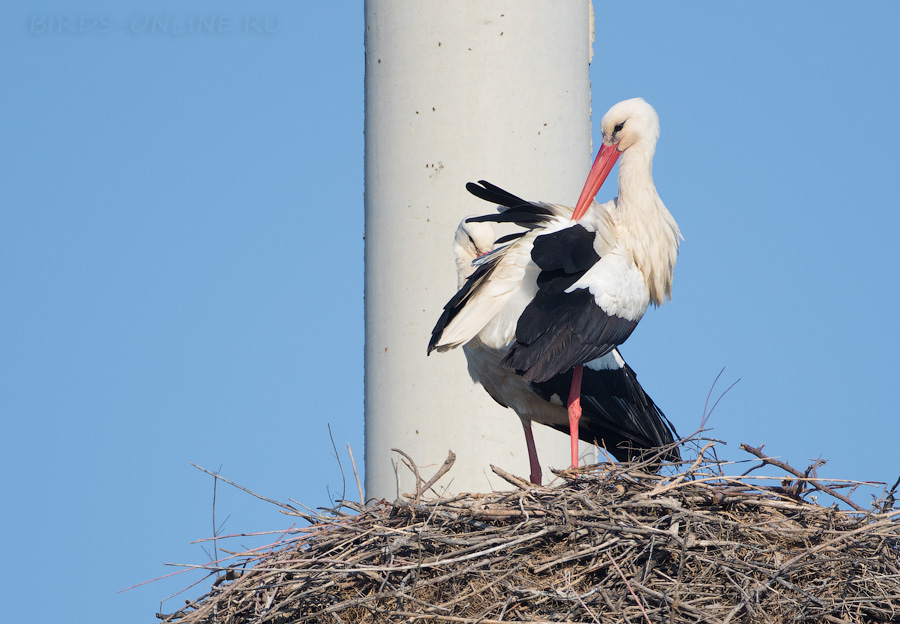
(519, 482)
(310, 529)
(413, 467)
(705, 417)
(268, 555)
(158, 578)
(337, 456)
(241, 487)
(313, 516)
(583, 605)
(674, 483)
(215, 528)
(889, 497)
(815, 483)
(448, 463)
(356, 474)
(631, 591)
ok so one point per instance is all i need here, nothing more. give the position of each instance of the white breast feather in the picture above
(617, 285)
(599, 220)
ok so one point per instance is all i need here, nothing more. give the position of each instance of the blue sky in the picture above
(181, 239)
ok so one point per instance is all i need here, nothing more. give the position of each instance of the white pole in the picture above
(456, 91)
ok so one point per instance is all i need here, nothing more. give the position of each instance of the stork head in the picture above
(627, 124)
(472, 240)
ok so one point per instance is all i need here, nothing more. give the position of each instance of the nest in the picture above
(611, 543)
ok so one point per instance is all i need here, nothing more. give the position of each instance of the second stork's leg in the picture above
(536, 475)
(574, 406)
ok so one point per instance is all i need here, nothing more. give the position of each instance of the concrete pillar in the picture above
(456, 91)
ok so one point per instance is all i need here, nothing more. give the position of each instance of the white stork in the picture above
(618, 413)
(574, 287)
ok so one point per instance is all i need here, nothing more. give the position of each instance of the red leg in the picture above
(532, 453)
(575, 411)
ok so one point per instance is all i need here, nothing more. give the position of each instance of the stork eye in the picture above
(618, 127)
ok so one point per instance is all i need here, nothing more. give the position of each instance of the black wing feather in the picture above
(516, 210)
(509, 237)
(559, 330)
(617, 413)
(570, 250)
(494, 194)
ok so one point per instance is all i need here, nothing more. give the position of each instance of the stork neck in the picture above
(636, 188)
(648, 230)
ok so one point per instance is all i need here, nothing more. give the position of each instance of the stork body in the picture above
(618, 413)
(574, 286)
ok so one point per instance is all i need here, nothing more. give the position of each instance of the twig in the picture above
(447, 465)
(705, 417)
(241, 487)
(815, 483)
(628, 585)
(519, 482)
(674, 483)
(356, 474)
(412, 466)
(337, 456)
(580, 600)
(215, 527)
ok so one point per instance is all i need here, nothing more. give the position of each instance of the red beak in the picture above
(603, 164)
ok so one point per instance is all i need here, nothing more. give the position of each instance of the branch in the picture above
(814, 482)
(448, 463)
(241, 487)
